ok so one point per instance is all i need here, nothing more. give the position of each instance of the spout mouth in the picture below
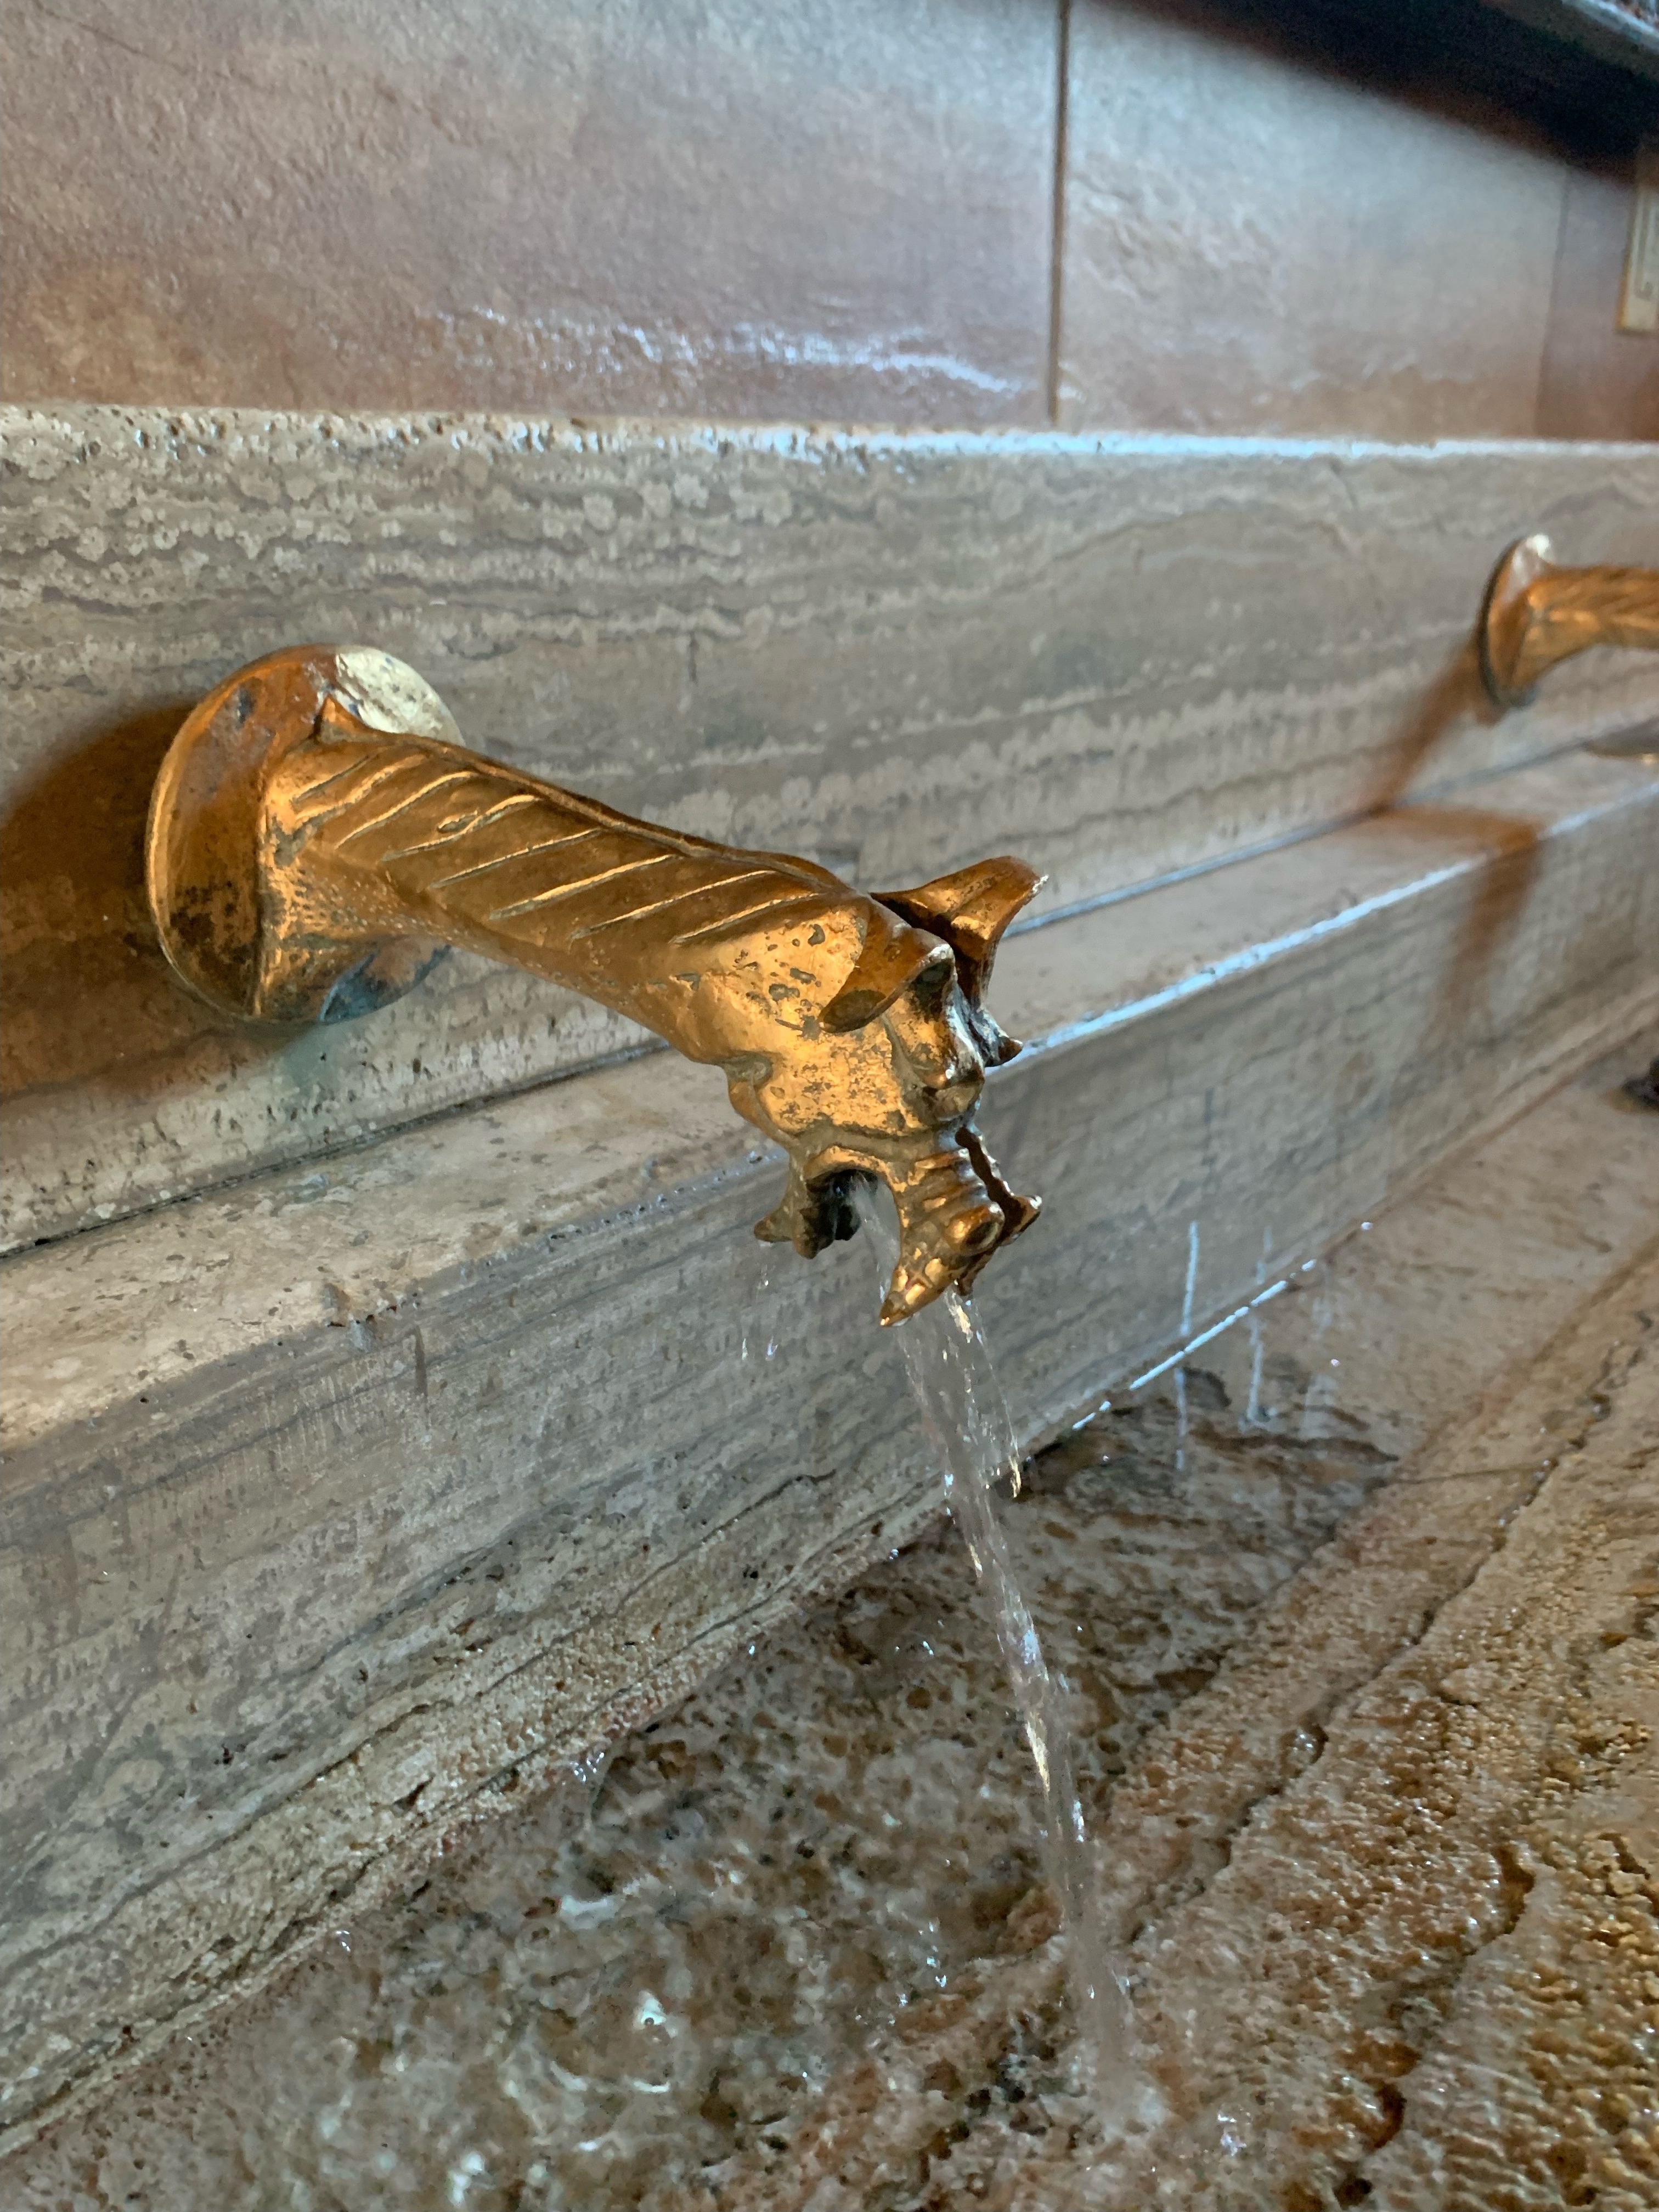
(920, 1279)
(954, 1213)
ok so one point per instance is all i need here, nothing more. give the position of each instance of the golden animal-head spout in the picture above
(1536, 614)
(917, 1041)
(318, 836)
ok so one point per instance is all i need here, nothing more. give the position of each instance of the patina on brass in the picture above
(1536, 614)
(317, 838)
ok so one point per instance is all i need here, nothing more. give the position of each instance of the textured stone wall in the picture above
(1131, 657)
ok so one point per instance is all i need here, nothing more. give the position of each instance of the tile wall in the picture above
(1178, 216)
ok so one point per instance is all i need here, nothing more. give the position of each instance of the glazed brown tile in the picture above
(1252, 246)
(1598, 381)
(733, 210)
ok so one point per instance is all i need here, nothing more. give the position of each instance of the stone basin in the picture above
(1355, 1604)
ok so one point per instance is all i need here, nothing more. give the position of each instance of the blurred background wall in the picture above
(1205, 215)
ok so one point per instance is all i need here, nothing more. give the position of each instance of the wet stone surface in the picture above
(635, 1994)
(1356, 1612)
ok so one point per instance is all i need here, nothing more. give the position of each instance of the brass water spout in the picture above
(319, 836)
(1536, 614)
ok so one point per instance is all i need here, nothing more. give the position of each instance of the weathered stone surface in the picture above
(789, 1947)
(1121, 658)
(337, 1504)
(1440, 1887)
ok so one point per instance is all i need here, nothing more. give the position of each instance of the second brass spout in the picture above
(1536, 614)
(318, 836)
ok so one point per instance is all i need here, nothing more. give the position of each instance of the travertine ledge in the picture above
(1132, 655)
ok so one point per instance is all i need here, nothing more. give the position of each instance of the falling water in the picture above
(966, 1418)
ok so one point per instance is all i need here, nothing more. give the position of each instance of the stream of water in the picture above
(965, 1414)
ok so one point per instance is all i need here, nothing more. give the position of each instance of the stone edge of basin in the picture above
(1405, 982)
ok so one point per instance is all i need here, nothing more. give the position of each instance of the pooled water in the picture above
(821, 1868)
(954, 1382)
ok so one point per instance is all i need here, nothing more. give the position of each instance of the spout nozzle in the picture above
(954, 1213)
(947, 1249)
(914, 1287)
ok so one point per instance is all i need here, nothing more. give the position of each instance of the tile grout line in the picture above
(1057, 236)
